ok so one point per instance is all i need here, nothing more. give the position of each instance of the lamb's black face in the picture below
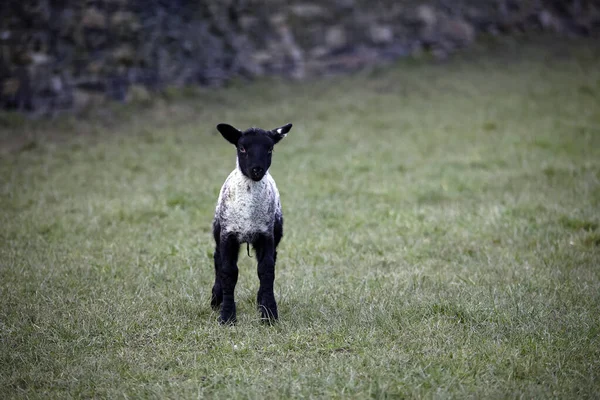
(254, 147)
(254, 154)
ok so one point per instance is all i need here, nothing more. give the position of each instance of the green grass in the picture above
(441, 240)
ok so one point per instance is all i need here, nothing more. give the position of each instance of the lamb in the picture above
(248, 211)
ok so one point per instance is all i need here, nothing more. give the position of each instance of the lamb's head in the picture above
(254, 147)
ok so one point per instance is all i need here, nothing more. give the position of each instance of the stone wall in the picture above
(73, 54)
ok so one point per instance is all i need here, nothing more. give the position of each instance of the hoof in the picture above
(231, 321)
(228, 316)
(268, 312)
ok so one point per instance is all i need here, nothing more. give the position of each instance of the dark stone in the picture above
(62, 53)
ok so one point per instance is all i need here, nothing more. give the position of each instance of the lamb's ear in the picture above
(230, 133)
(280, 133)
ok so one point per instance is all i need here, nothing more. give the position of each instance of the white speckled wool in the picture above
(245, 207)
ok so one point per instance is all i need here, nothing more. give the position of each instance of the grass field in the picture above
(442, 238)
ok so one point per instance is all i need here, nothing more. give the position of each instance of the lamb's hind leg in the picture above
(265, 253)
(217, 290)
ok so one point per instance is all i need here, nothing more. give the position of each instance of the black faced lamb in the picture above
(248, 211)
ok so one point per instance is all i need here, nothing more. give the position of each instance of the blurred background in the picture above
(69, 55)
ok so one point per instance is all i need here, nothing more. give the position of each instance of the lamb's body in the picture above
(247, 208)
(248, 211)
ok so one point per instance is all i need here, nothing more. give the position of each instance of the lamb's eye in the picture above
(242, 149)
(271, 150)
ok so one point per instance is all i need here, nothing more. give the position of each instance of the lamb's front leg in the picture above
(265, 252)
(228, 275)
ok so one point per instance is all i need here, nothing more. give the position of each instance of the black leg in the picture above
(265, 253)
(217, 291)
(228, 275)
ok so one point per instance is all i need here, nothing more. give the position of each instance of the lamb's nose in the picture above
(257, 171)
